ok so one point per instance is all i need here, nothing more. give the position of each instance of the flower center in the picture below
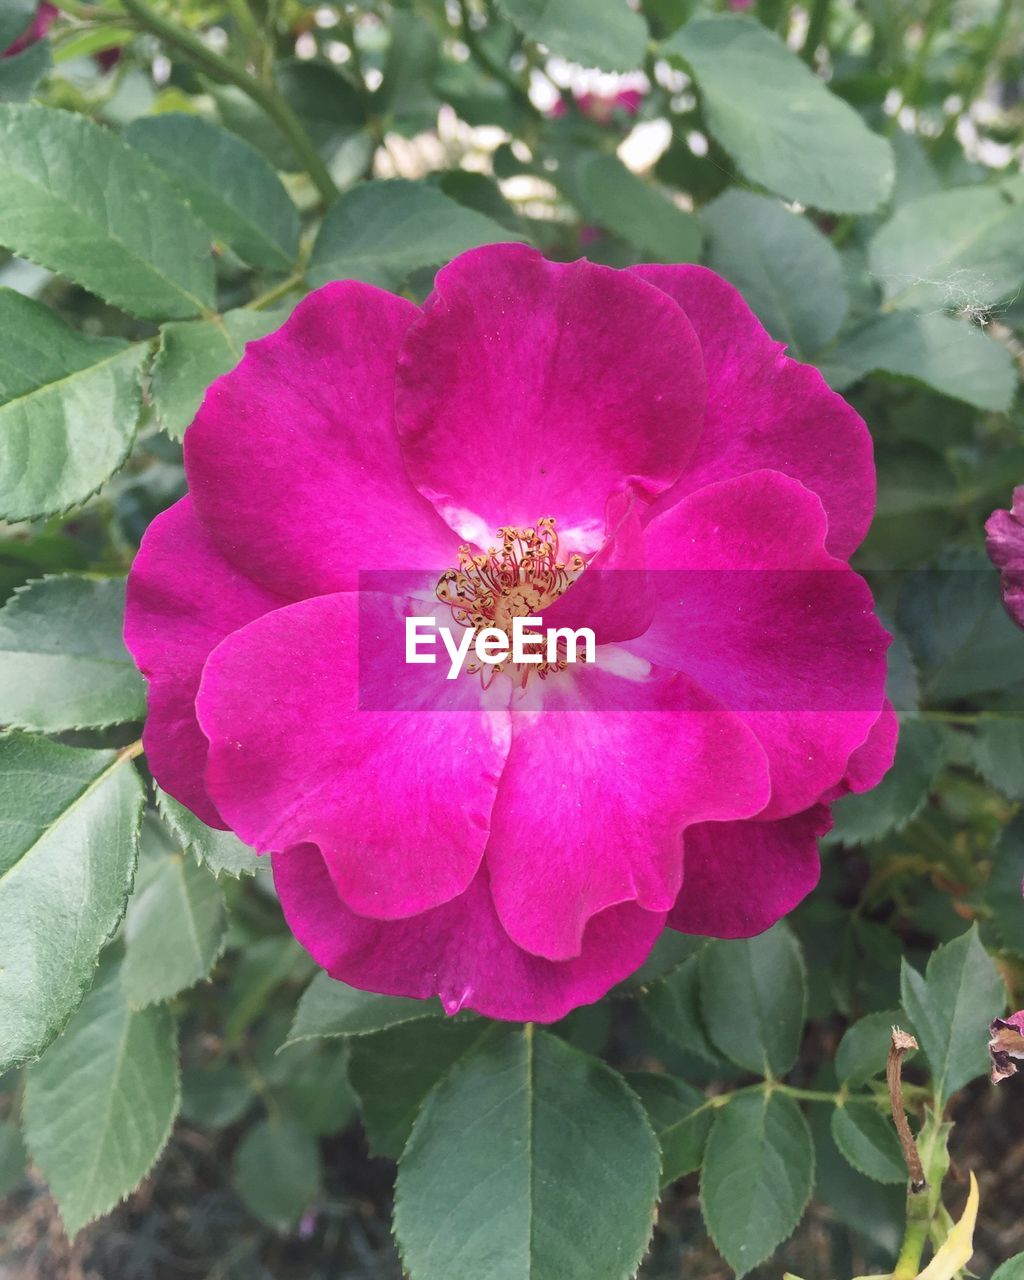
(519, 579)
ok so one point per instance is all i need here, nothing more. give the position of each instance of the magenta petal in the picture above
(398, 801)
(740, 877)
(293, 461)
(605, 772)
(183, 599)
(767, 411)
(872, 761)
(458, 951)
(1005, 539)
(753, 608)
(613, 596)
(531, 388)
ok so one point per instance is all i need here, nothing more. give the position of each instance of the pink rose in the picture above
(624, 450)
(1005, 540)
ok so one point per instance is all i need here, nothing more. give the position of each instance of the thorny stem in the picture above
(223, 69)
(902, 1043)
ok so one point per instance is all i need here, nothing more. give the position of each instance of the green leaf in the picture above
(12, 1158)
(69, 407)
(379, 232)
(757, 1177)
(950, 251)
(864, 1048)
(753, 993)
(221, 851)
(777, 120)
(331, 1008)
(15, 20)
(71, 823)
(316, 1092)
(954, 619)
(394, 1070)
(229, 186)
(999, 753)
(100, 1105)
(782, 264)
(78, 200)
(868, 1141)
(1003, 891)
(618, 201)
(545, 1146)
(673, 1005)
(950, 356)
(875, 1209)
(609, 35)
(1012, 1269)
(20, 74)
(899, 797)
(277, 1172)
(950, 1009)
(195, 353)
(174, 929)
(63, 663)
(680, 1118)
(670, 952)
(215, 1095)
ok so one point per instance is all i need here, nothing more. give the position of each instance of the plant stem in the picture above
(274, 294)
(222, 69)
(816, 28)
(902, 1043)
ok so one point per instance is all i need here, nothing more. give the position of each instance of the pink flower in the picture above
(44, 19)
(602, 107)
(1006, 1045)
(1005, 540)
(516, 845)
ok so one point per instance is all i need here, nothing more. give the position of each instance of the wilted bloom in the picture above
(44, 18)
(1005, 539)
(1006, 1045)
(626, 451)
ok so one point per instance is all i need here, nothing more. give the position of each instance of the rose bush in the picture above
(510, 847)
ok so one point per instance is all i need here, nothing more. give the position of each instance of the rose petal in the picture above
(458, 951)
(293, 461)
(183, 598)
(752, 607)
(740, 877)
(531, 388)
(1005, 540)
(397, 799)
(609, 764)
(767, 411)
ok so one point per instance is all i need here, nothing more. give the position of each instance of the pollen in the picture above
(519, 578)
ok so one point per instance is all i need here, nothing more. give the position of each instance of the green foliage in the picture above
(757, 1177)
(193, 354)
(64, 664)
(174, 929)
(277, 1172)
(777, 120)
(71, 821)
(950, 1008)
(99, 1106)
(758, 245)
(330, 1008)
(752, 995)
(382, 231)
(146, 254)
(221, 851)
(229, 186)
(69, 407)
(611, 35)
(556, 1208)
